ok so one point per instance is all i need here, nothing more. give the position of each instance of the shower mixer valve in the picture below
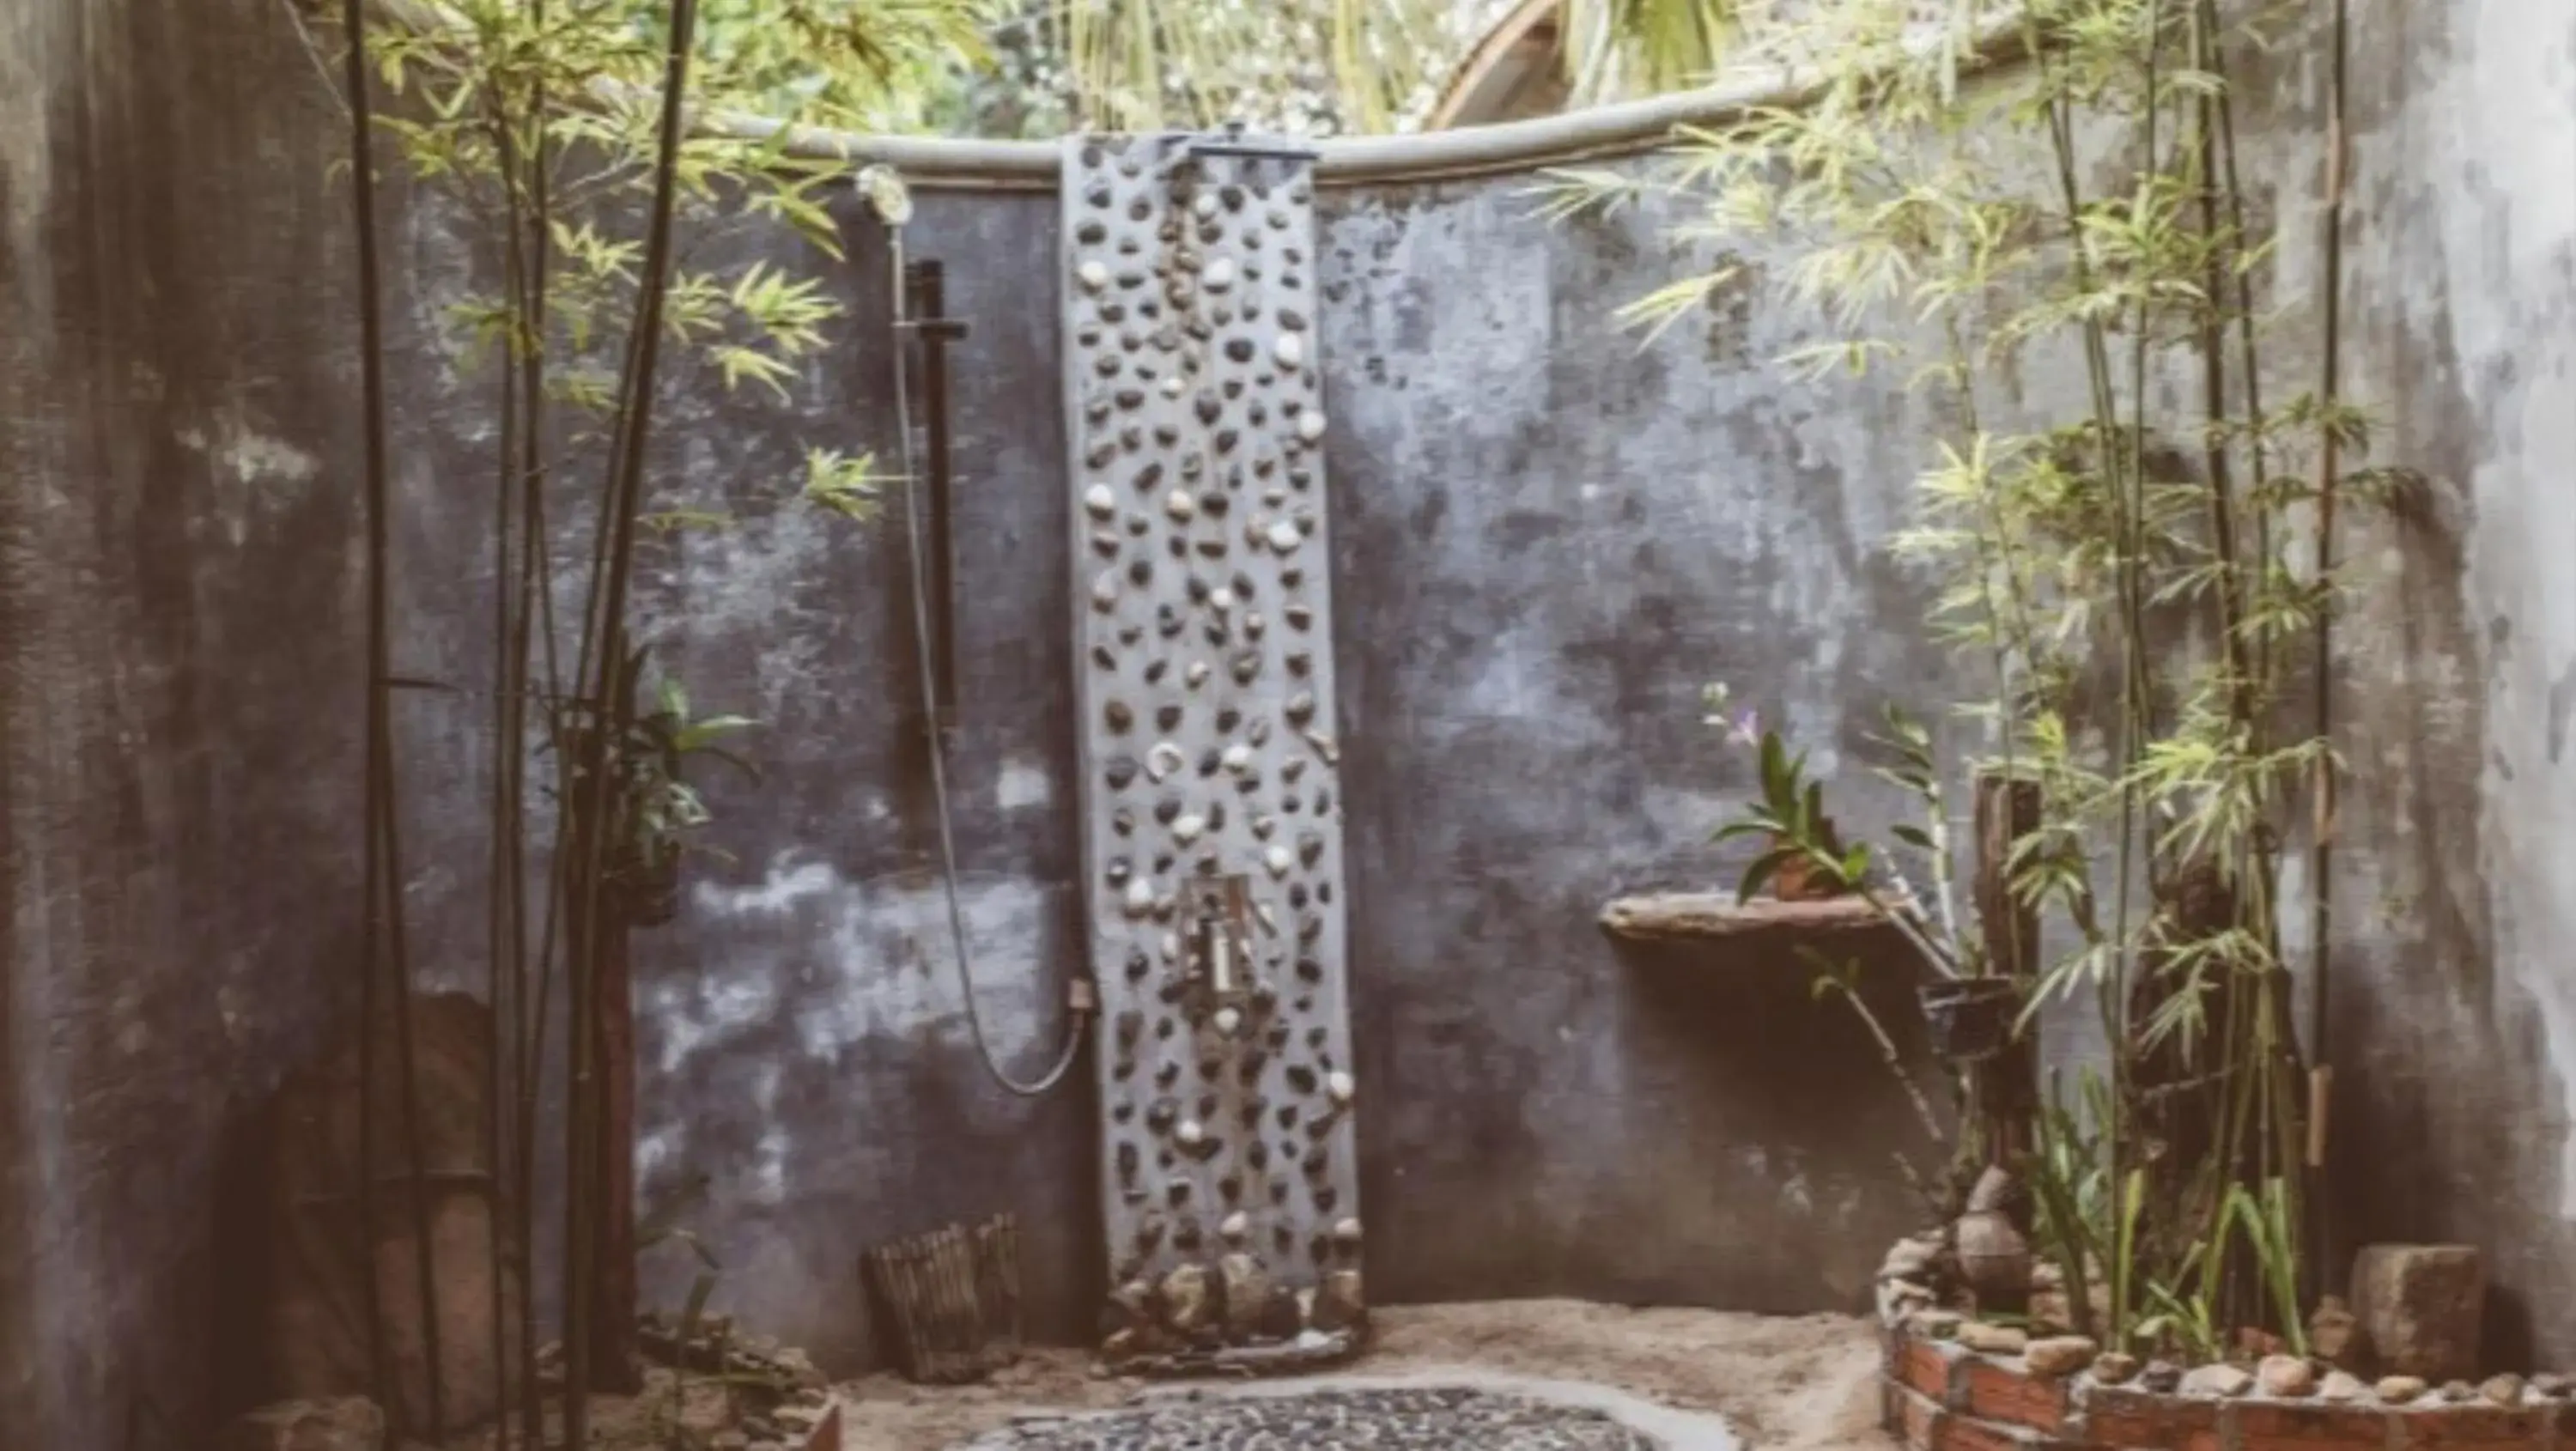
(1220, 942)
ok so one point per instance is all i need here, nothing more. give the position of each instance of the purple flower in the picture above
(1746, 730)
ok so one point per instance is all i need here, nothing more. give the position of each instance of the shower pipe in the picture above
(888, 197)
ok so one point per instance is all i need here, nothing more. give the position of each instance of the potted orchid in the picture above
(1972, 1014)
(1803, 859)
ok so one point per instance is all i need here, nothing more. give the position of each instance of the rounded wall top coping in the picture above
(1623, 129)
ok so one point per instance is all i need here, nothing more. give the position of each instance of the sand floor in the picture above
(1802, 1383)
(1781, 1383)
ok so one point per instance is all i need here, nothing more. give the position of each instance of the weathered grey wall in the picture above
(1531, 601)
(805, 1049)
(1542, 598)
(179, 670)
(1551, 539)
(806, 1037)
(1547, 539)
(2456, 1004)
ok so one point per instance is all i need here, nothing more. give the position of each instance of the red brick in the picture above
(2472, 1427)
(1998, 1392)
(1924, 1368)
(1966, 1433)
(2275, 1426)
(1919, 1419)
(2119, 1416)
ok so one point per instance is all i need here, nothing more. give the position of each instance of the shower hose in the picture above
(885, 193)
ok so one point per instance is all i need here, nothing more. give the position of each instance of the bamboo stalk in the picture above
(2213, 359)
(2060, 112)
(372, 425)
(2003, 812)
(2329, 396)
(535, 588)
(2321, 845)
(610, 699)
(615, 1365)
(1894, 1061)
(407, 1063)
(500, 1041)
(579, 1117)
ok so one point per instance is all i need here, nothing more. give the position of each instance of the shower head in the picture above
(887, 196)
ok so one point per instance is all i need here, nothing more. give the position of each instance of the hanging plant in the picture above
(656, 807)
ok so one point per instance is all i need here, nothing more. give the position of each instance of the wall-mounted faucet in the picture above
(1221, 937)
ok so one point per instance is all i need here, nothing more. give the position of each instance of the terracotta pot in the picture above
(1799, 880)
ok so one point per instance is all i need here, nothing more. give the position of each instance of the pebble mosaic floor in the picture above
(1411, 1419)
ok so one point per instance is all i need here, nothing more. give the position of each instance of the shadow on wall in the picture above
(1780, 1097)
(1742, 1152)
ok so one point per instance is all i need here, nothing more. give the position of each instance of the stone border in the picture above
(1939, 1395)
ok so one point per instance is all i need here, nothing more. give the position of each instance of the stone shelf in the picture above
(1702, 916)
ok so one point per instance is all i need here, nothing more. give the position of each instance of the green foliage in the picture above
(1038, 68)
(1791, 823)
(657, 805)
(2128, 574)
(1623, 48)
(1322, 67)
(864, 65)
(2082, 1226)
(2269, 1224)
(541, 120)
(846, 484)
(1309, 66)
(1791, 820)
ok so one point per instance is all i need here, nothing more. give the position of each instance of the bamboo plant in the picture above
(557, 128)
(2143, 575)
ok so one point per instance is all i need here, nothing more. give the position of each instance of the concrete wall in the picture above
(2456, 1004)
(1551, 539)
(1541, 596)
(1547, 540)
(180, 673)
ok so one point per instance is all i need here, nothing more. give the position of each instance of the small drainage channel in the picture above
(1432, 1410)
